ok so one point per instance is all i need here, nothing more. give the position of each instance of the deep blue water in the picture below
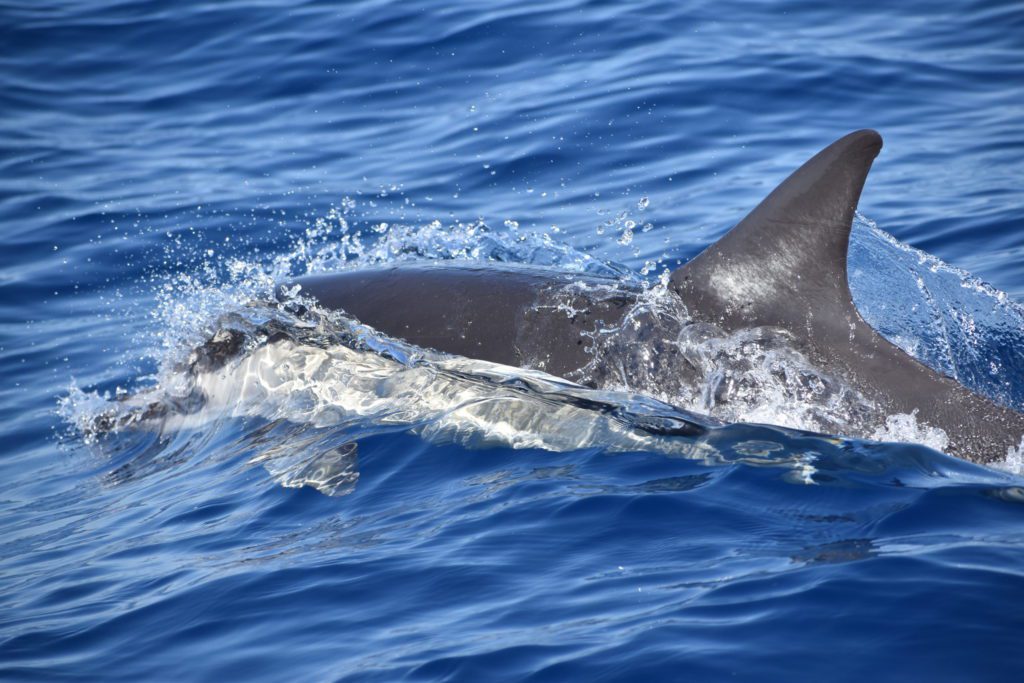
(161, 162)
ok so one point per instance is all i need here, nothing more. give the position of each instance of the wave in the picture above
(235, 346)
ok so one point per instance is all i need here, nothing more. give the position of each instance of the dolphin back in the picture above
(785, 266)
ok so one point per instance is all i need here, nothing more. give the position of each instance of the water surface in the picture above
(163, 163)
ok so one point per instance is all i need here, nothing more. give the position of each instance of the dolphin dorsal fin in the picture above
(784, 265)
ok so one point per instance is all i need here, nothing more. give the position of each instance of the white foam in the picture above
(905, 428)
(1014, 461)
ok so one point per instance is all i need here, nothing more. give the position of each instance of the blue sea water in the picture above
(163, 164)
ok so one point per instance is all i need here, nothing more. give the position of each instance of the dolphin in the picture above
(783, 267)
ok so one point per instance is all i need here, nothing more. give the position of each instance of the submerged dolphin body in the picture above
(781, 267)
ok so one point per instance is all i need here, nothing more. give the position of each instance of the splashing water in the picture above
(232, 346)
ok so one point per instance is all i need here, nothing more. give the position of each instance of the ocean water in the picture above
(336, 505)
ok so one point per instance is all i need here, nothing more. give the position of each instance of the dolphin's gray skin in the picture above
(783, 266)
